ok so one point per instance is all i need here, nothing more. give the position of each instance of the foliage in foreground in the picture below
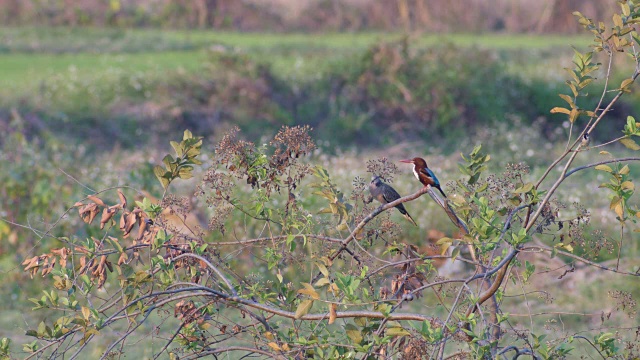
(336, 282)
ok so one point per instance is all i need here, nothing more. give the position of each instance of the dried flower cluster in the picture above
(239, 159)
(382, 167)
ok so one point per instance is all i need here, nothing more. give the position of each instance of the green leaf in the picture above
(524, 188)
(529, 270)
(303, 309)
(186, 172)
(177, 147)
(397, 331)
(160, 174)
(455, 254)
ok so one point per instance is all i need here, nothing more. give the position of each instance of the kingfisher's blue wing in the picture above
(430, 174)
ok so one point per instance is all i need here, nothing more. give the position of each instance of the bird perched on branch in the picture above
(385, 194)
(424, 174)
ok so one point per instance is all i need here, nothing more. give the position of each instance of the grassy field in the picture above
(31, 56)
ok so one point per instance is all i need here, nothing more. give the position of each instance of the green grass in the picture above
(31, 56)
(23, 72)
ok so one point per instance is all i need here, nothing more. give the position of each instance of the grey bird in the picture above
(385, 194)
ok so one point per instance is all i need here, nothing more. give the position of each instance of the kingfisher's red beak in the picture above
(407, 161)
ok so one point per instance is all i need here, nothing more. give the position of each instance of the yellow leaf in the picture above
(323, 269)
(573, 115)
(86, 312)
(617, 20)
(630, 143)
(333, 315)
(269, 335)
(326, 261)
(614, 202)
(322, 282)
(624, 170)
(303, 309)
(619, 210)
(626, 11)
(627, 185)
(334, 289)
(309, 290)
(560, 110)
(567, 98)
(274, 346)
(604, 168)
(626, 83)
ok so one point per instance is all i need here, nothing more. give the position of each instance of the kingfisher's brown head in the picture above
(418, 162)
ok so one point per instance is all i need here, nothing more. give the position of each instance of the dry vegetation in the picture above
(325, 15)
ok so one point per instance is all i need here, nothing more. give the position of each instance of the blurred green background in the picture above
(91, 92)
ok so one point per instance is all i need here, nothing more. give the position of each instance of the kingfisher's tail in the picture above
(442, 192)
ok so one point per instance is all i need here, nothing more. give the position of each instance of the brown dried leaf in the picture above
(107, 214)
(100, 267)
(333, 315)
(31, 263)
(123, 258)
(63, 254)
(142, 227)
(131, 220)
(123, 199)
(102, 279)
(123, 220)
(89, 212)
(96, 200)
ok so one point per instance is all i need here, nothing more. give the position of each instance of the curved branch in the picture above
(271, 238)
(233, 348)
(600, 163)
(578, 258)
(215, 269)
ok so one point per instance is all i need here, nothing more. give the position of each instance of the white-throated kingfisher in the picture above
(424, 174)
(385, 194)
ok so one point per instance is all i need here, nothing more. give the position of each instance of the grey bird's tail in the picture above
(408, 217)
(405, 213)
